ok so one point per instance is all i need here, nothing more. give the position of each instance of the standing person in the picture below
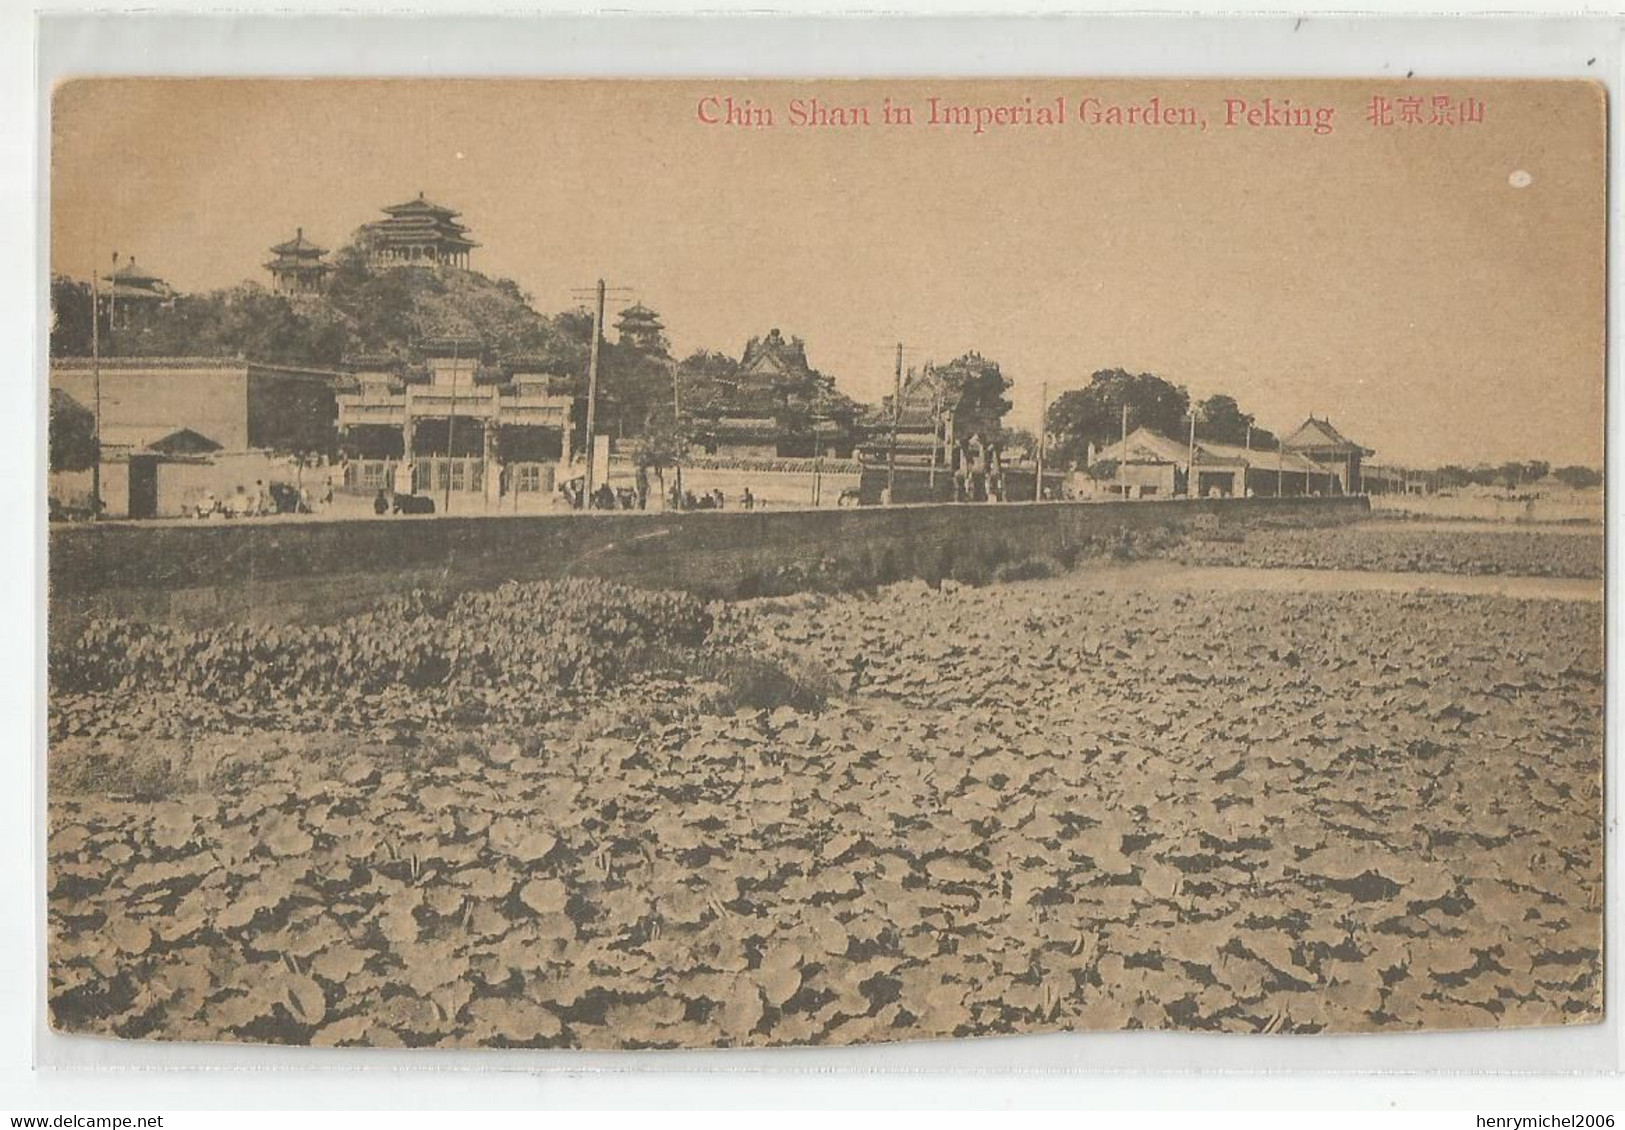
(643, 488)
(747, 500)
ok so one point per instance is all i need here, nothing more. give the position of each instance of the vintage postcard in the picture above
(652, 564)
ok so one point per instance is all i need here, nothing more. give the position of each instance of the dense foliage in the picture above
(572, 635)
(1053, 805)
(73, 433)
(1094, 413)
(363, 311)
(1464, 552)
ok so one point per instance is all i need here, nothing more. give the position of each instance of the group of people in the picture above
(264, 499)
(706, 500)
(605, 497)
(608, 497)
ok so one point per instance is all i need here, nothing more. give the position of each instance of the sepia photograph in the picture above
(652, 564)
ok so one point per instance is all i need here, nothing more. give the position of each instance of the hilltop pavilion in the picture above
(297, 268)
(419, 233)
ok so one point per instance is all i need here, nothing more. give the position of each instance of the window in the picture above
(528, 477)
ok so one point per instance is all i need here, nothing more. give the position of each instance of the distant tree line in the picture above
(1512, 475)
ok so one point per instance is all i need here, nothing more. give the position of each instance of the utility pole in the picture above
(936, 439)
(1190, 461)
(896, 417)
(1248, 465)
(1280, 459)
(1043, 408)
(451, 426)
(592, 391)
(112, 295)
(96, 392)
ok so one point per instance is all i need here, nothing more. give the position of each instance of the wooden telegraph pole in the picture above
(1248, 465)
(1043, 408)
(592, 391)
(1190, 461)
(451, 425)
(1122, 455)
(112, 295)
(96, 393)
(896, 418)
(936, 438)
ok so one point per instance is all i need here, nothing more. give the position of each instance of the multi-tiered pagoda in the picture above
(640, 328)
(297, 268)
(419, 233)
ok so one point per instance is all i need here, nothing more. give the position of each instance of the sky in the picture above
(1436, 290)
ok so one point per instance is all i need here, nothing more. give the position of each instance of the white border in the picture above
(509, 45)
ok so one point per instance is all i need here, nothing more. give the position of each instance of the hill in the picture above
(363, 312)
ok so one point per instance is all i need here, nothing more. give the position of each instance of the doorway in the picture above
(143, 486)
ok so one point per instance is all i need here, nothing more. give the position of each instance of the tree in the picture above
(1017, 442)
(70, 317)
(1580, 478)
(637, 384)
(1517, 474)
(1219, 419)
(1094, 414)
(663, 444)
(72, 435)
(705, 380)
(973, 393)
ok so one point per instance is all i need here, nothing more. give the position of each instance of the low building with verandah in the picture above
(1149, 465)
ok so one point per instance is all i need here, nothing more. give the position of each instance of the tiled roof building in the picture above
(297, 266)
(778, 406)
(1150, 465)
(419, 233)
(1334, 452)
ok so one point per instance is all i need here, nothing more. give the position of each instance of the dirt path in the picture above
(1169, 576)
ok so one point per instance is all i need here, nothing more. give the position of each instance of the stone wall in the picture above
(311, 570)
